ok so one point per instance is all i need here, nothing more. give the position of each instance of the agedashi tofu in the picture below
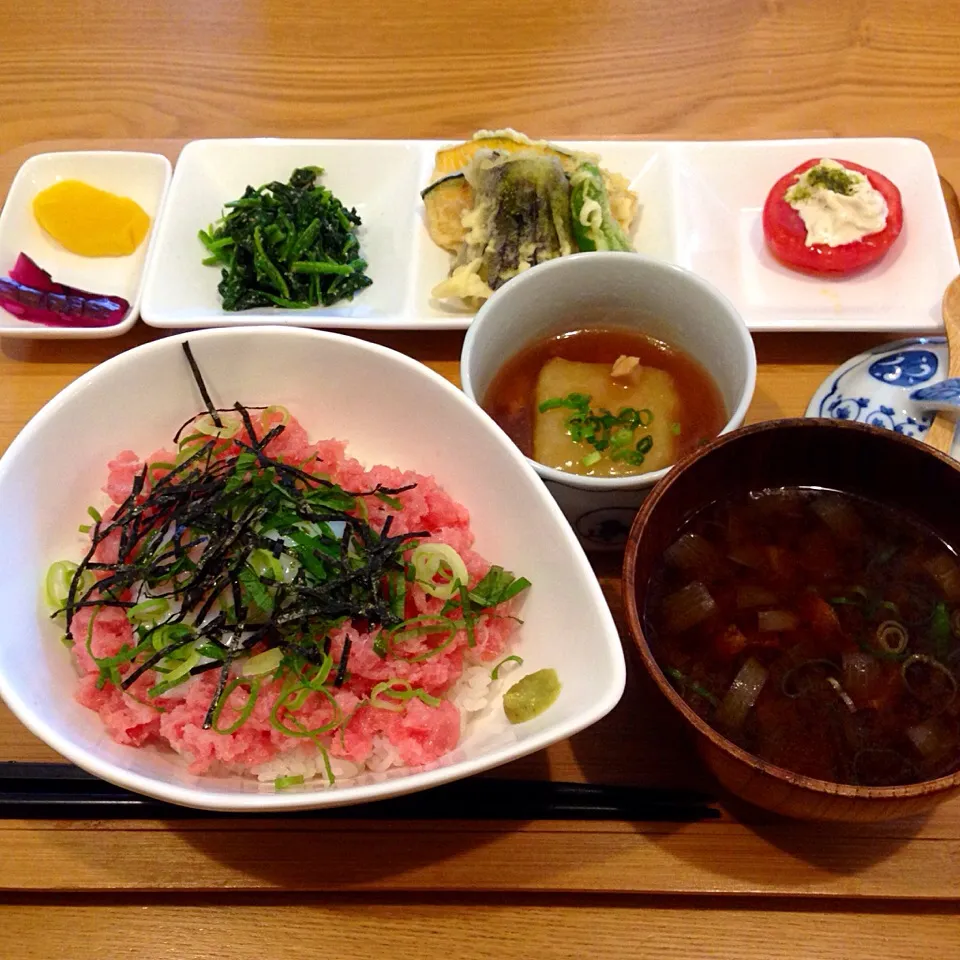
(608, 425)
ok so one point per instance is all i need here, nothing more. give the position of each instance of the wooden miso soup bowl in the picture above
(878, 464)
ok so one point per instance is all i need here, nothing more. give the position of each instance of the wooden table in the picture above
(747, 886)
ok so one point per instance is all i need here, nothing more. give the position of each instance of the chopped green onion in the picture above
(407, 692)
(431, 560)
(299, 729)
(468, 619)
(692, 686)
(244, 713)
(513, 658)
(936, 667)
(281, 783)
(892, 637)
(149, 611)
(211, 651)
(629, 417)
(265, 565)
(572, 401)
(56, 584)
(602, 429)
(262, 663)
(265, 416)
(159, 465)
(422, 625)
(177, 675)
(387, 688)
(169, 633)
(231, 426)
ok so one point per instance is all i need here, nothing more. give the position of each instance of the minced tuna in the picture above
(392, 705)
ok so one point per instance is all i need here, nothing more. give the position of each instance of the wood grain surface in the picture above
(560, 929)
(175, 69)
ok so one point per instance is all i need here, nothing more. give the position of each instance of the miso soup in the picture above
(817, 630)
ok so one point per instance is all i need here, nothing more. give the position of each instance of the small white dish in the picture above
(377, 177)
(874, 387)
(143, 177)
(660, 300)
(336, 386)
(721, 189)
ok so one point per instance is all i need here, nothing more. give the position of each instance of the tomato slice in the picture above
(786, 234)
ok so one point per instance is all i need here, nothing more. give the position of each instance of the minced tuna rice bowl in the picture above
(265, 605)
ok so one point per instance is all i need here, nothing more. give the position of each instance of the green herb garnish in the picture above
(836, 179)
(498, 586)
(603, 430)
(685, 683)
(832, 178)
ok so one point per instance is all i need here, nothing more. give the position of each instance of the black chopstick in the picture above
(62, 791)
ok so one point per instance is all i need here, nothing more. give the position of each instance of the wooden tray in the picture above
(641, 742)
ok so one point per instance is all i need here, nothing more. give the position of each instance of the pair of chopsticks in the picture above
(62, 791)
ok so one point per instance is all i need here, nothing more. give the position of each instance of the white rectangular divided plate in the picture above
(700, 205)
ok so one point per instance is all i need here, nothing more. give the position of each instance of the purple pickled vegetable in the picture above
(30, 293)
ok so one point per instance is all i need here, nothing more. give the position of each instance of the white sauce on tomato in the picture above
(836, 217)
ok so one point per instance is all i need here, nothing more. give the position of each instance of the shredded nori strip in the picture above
(195, 370)
(342, 666)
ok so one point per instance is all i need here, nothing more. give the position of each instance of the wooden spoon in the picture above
(941, 433)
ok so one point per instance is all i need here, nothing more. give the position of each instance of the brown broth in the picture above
(510, 399)
(846, 613)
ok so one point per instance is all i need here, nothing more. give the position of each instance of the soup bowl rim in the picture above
(639, 481)
(702, 727)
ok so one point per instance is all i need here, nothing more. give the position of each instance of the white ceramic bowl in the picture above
(143, 177)
(392, 410)
(663, 301)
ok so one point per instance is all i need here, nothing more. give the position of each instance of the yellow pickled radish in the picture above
(89, 221)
